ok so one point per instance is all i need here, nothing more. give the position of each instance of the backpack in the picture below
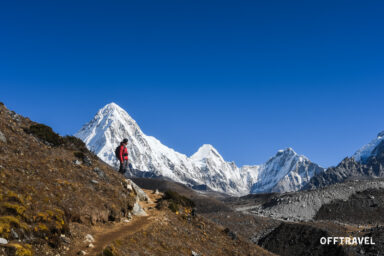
(117, 152)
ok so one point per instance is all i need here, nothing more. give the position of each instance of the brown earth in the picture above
(164, 232)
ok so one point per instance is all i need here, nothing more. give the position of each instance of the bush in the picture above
(46, 134)
(72, 142)
(108, 251)
(176, 200)
(79, 155)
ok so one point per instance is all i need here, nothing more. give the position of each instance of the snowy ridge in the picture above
(367, 150)
(286, 171)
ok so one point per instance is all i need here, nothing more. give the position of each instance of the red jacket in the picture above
(123, 153)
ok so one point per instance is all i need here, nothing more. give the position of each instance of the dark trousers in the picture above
(123, 167)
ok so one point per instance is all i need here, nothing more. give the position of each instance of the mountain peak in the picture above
(286, 151)
(114, 112)
(381, 134)
(206, 151)
(112, 106)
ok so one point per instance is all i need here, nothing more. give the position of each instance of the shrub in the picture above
(46, 134)
(72, 142)
(79, 155)
(108, 251)
(176, 200)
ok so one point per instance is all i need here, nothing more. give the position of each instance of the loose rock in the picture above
(76, 162)
(2, 137)
(89, 239)
(99, 172)
(3, 241)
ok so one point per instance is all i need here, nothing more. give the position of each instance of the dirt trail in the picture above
(106, 235)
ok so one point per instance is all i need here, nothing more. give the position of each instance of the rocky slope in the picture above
(304, 205)
(206, 169)
(348, 209)
(51, 187)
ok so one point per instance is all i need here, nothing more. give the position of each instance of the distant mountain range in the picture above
(205, 169)
(366, 163)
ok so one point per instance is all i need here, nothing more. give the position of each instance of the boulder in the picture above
(138, 210)
(65, 239)
(89, 239)
(138, 191)
(99, 172)
(3, 241)
(2, 137)
(77, 162)
(14, 234)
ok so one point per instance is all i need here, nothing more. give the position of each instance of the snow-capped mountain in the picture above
(286, 171)
(367, 150)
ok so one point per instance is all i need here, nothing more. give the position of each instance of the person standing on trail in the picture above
(122, 155)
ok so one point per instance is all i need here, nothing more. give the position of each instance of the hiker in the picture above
(122, 155)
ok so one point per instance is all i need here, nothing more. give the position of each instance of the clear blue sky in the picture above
(249, 77)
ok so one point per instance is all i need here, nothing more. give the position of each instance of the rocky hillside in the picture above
(304, 205)
(48, 183)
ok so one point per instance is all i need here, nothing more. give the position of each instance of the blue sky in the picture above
(249, 77)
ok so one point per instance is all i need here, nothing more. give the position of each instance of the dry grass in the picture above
(180, 234)
(42, 191)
